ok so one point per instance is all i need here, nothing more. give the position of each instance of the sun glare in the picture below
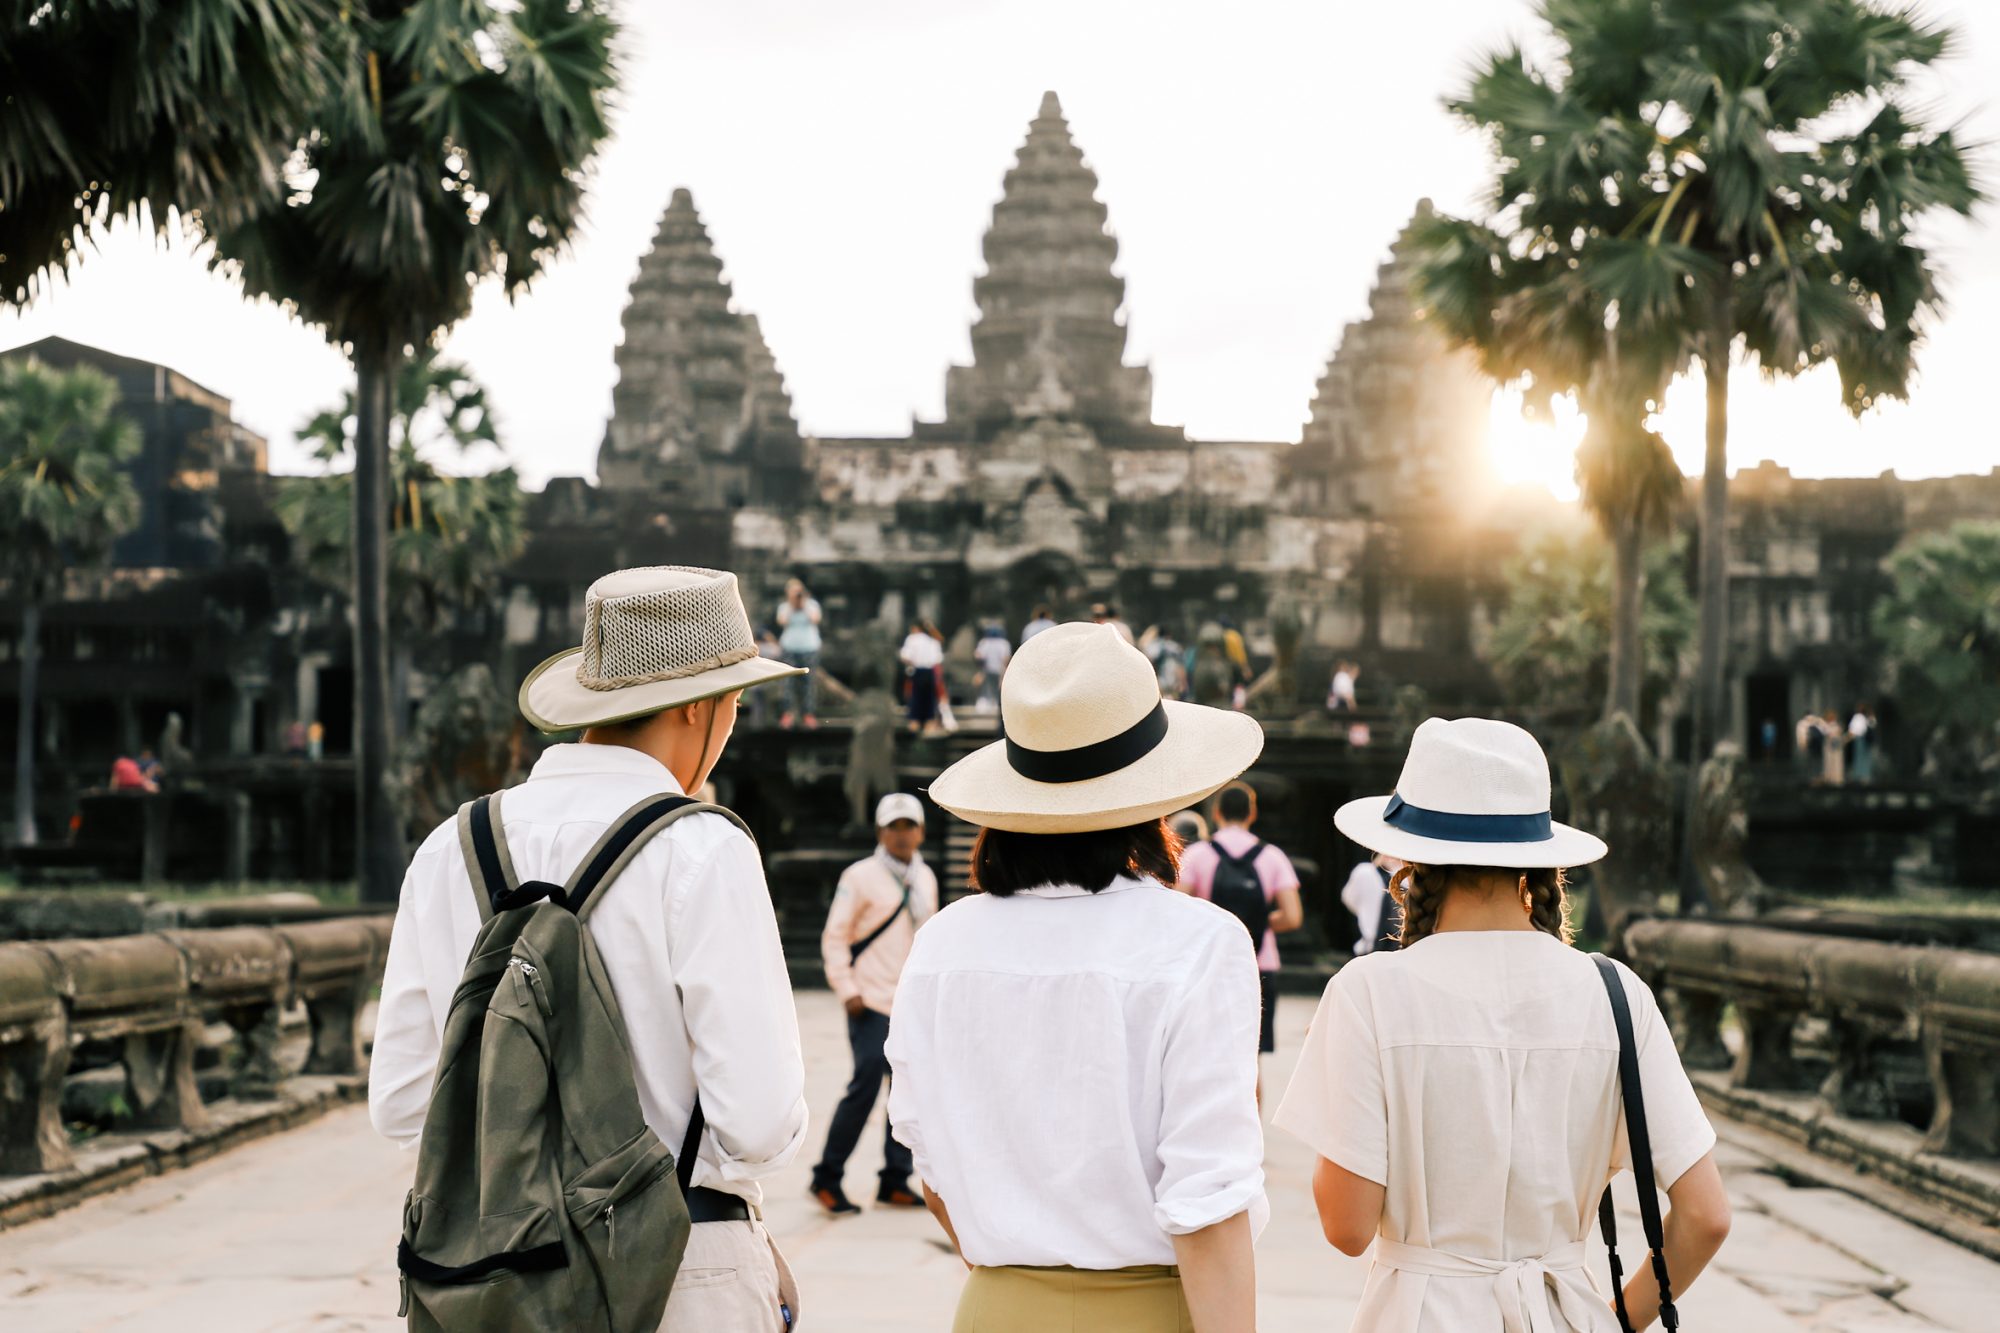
(1529, 452)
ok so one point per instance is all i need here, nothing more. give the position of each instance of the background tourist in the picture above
(1367, 898)
(1255, 883)
(1861, 744)
(1462, 1093)
(316, 740)
(1238, 653)
(923, 670)
(798, 618)
(1031, 1014)
(1810, 739)
(127, 775)
(1833, 750)
(1189, 827)
(1044, 618)
(1106, 614)
(880, 902)
(992, 652)
(1340, 694)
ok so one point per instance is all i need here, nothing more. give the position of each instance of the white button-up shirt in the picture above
(687, 935)
(1076, 1073)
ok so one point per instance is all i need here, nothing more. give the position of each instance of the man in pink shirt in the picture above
(880, 902)
(1235, 864)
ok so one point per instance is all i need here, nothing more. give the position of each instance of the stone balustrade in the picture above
(148, 998)
(1845, 1015)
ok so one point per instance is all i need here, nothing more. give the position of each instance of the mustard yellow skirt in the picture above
(1073, 1300)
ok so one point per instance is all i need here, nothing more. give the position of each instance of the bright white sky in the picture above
(1256, 159)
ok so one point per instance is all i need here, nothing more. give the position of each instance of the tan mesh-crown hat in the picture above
(1090, 743)
(653, 638)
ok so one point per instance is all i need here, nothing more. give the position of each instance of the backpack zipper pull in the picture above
(611, 1231)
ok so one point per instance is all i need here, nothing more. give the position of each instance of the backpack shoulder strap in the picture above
(483, 842)
(1248, 857)
(1639, 1140)
(627, 834)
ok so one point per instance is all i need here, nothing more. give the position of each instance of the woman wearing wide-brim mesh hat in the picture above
(1071, 1046)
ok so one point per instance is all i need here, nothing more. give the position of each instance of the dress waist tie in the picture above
(1521, 1287)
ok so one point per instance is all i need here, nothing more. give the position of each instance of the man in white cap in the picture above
(686, 929)
(880, 902)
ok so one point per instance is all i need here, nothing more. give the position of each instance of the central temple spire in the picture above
(1048, 341)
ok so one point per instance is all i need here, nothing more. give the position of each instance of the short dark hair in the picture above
(1004, 862)
(1236, 802)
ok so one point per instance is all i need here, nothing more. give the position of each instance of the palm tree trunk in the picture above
(378, 847)
(1628, 587)
(1709, 704)
(24, 727)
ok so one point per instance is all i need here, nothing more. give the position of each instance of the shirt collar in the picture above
(575, 759)
(1118, 885)
(898, 868)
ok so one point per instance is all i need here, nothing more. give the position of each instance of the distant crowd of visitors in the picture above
(1829, 754)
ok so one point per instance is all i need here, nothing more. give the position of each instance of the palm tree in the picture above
(1753, 171)
(190, 107)
(450, 147)
(1525, 305)
(450, 536)
(64, 499)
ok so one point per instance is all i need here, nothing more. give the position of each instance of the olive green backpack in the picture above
(542, 1200)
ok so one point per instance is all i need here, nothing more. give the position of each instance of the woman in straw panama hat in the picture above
(1462, 1092)
(1071, 1046)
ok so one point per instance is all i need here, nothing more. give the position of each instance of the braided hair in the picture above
(1420, 891)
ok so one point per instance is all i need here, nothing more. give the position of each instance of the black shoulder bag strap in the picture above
(1639, 1140)
(860, 947)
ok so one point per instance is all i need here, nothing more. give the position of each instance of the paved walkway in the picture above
(297, 1232)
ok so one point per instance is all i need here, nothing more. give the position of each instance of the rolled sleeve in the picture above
(1211, 1144)
(404, 1063)
(1335, 1102)
(736, 999)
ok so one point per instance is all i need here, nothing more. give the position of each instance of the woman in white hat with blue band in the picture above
(1462, 1092)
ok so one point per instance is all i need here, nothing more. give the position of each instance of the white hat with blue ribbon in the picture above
(1474, 792)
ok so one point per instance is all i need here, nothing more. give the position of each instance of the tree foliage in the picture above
(1939, 625)
(65, 497)
(451, 536)
(114, 106)
(1551, 646)
(448, 145)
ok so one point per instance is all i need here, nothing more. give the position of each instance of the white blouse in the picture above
(921, 650)
(1076, 1074)
(1474, 1074)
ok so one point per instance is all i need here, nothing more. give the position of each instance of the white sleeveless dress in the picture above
(1474, 1075)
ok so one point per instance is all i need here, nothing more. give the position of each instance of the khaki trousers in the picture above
(1073, 1300)
(732, 1280)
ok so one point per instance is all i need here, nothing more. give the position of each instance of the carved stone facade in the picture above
(700, 415)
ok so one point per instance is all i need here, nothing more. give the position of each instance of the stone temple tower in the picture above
(1049, 341)
(700, 411)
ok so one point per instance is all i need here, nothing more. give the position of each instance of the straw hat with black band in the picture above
(1474, 792)
(1090, 744)
(653, 638)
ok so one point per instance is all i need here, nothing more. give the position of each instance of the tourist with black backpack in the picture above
(586, 1026)
(1255, 883)
(1471, 1094)
(877, 906)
